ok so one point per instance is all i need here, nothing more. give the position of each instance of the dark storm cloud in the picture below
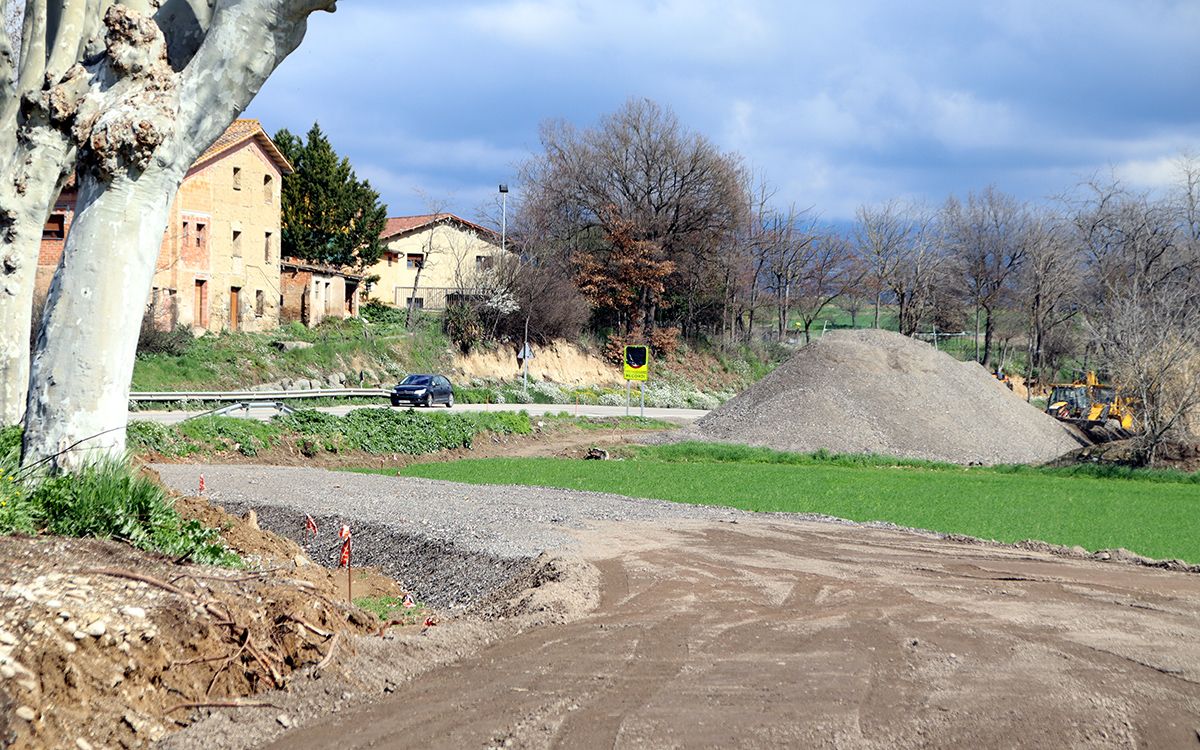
(837, 103)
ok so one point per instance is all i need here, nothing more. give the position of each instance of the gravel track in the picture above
(452, 543)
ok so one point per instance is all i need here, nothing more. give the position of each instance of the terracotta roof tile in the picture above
(403, 224)
(243, 130)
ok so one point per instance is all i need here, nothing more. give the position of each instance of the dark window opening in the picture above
(55, 228)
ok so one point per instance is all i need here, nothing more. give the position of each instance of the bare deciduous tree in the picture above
(830, 270)
(986, 239)
(919, 270)
(882, 235)
(745, 263)
(630, 200)
(1150, 341)
(1047, 290)
(787, 250)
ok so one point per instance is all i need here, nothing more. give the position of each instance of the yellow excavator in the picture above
(1098, 409)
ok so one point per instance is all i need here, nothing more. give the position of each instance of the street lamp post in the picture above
(503, 217)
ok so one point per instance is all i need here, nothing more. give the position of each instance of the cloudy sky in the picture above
(834, 103)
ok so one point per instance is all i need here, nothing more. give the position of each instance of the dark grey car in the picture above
(423, 390)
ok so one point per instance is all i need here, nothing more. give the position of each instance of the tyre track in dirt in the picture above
(766, 634)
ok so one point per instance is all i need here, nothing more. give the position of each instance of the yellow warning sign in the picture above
(637, 363)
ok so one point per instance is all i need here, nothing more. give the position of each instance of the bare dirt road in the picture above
(770, 634)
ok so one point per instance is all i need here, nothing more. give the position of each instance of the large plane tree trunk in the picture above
(150, 119)
(88, 339)
(38, 99)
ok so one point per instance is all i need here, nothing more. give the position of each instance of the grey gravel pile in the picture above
(870, 391)
(451, 543)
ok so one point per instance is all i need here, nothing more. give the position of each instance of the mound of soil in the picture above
(102, 645)
(870, 391)
(107, 645)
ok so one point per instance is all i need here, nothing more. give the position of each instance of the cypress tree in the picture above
(329, 216)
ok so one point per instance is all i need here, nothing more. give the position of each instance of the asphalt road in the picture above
(682, 416)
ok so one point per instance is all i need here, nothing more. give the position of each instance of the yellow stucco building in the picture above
(449, 252)
(220, 256)
(218, 268)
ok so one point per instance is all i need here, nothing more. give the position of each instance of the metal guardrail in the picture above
(244, 407)
(174, 396)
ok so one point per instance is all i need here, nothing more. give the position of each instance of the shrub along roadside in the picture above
(375, 431)
(381, 431)
(109, 500)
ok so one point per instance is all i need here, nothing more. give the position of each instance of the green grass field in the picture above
(1153, 514)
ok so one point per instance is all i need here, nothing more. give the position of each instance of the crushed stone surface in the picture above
(451, 543)
(871, 391)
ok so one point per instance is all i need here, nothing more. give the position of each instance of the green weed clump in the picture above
(108, 500)
(474, 395)
(202, 435)
(153, 437)
(383, 431)
(10, 440)
(378, 313)
(246, 436)
(390, 608)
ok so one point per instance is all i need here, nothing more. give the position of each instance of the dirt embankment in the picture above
(111, 647)
(560, 362)
(870, 391)
(105, 646)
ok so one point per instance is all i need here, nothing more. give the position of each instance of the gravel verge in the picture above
(451, 543)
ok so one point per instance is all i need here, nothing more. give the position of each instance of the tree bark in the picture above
(23, 216)
(82, 370)
(977, 359)
(412, 296)
(989, 330)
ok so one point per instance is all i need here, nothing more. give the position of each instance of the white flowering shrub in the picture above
(612, 398)
(517, 395)
(739, 367)
(666, 395)
(699, 400)
(547, 392)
